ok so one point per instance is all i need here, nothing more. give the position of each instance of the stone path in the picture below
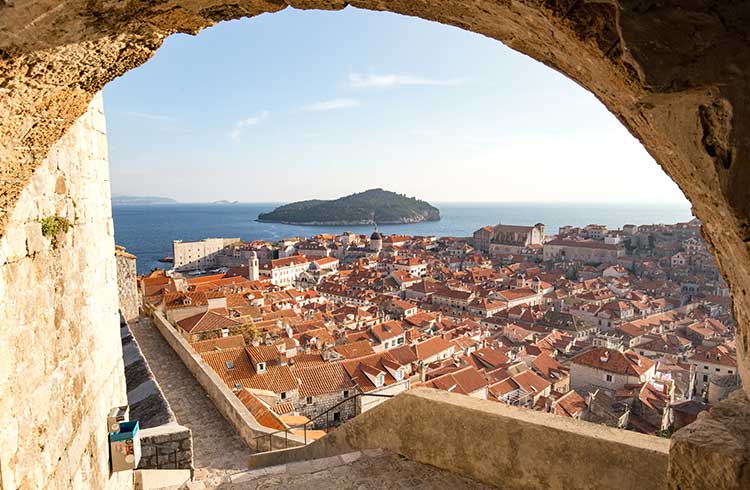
(217, 450)
(370, 469)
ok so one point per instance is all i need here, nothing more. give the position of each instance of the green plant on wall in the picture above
(52, 225)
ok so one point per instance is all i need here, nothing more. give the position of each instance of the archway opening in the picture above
(495, 140)
(680, 94)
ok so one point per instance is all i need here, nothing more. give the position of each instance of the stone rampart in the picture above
(505, 446)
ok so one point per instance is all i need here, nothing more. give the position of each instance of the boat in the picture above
(166, 260)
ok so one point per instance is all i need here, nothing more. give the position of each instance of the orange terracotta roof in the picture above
(322, 379)
(611, 360)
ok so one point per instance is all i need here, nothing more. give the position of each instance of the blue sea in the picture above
(148, 230)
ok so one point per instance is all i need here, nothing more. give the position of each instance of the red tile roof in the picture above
(206, 322)
(625, 363)
(322, 379)
(431, 347)
(230, 342)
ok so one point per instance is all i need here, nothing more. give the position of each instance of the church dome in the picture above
(376, 236)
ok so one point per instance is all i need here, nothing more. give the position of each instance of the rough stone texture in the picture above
(673, 72)
(218, 451)
(714, 451)
(321, 403)
(145, 397)
(61, 367)
(377, 470)
(127, 287)
(509, 447)
(166, 447)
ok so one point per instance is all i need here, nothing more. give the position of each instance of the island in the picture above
(118, 200)
(368, 207)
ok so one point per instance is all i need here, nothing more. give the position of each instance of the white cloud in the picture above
(395, 80)
(250, 121)
(150, 117)
(331, 105)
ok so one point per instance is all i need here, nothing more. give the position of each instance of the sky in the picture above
(310, 104)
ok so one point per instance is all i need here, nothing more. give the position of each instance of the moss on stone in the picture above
(52, 225)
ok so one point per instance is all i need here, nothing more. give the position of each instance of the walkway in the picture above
(366, 470)
(217, 450)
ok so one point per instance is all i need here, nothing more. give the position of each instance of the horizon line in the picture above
(232, 202)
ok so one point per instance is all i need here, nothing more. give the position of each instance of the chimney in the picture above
(422, 375)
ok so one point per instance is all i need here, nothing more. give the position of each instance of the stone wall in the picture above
(166, 447)
(321, 403)
(509, 447)
(127, 287)
(61, 367)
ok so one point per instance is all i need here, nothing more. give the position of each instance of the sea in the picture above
(148, 230)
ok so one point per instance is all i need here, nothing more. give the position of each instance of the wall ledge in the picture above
(494, 443)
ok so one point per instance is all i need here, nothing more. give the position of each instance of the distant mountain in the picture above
(372, 206)
(136, 200)
(224, 201)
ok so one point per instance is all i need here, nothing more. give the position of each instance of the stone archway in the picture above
(675, 73)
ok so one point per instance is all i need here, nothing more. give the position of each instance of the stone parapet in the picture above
(497, 444)
(166, 447)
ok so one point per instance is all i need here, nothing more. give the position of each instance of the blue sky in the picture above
(309, 104)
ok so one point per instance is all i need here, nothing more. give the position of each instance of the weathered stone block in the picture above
(714, 451)
(35, 241)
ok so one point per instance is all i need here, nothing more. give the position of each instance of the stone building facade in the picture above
(54, 404)
(199, 254)
(315, 405)
(584, 251)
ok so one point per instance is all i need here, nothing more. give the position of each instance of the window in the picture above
(705, 367)
(309, 400)
(337, 416)
(238, 386)
(346, 393)
(718, 369)
(730, 371)
(261, 367)
(705, 378)
(283, 395)
(609, 378)
(229, 364)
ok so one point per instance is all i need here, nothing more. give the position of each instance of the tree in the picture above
(248, 331)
